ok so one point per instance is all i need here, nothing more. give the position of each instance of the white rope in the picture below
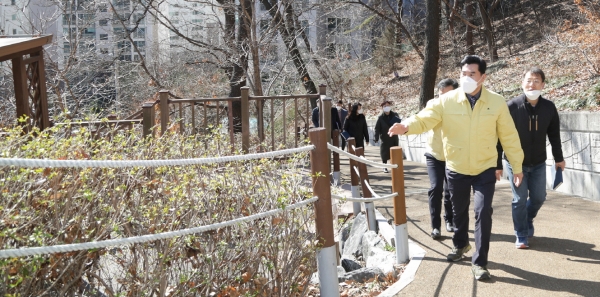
(371, 189)
(359, 199)
(360, 159)
(30, 251)
(145, 163)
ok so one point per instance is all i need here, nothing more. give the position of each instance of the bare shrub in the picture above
(274, 256)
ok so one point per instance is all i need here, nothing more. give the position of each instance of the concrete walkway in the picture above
(563, 259)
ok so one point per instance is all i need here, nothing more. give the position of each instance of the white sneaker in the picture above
(450, 227)
(385, 170)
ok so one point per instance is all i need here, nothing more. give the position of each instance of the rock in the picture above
(370, 241)
(362, 275)
(340, 271)
(381, 259)
(350, 264)
(352, 246)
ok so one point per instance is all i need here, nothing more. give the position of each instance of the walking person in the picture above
(383, 124)
(356, 125)
(535, 118)
(473, 119)
(436, 170)
(342, 114)
(335, 119)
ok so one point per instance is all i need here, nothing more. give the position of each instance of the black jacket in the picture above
(384, 122)
(533, 124)
(357, 127)
(335, 118)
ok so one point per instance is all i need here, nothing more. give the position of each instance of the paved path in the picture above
(563, 259)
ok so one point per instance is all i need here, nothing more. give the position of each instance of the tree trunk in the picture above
(235, 71)
(469, 37)
(489, 31)
(287, 31)
(432, 51)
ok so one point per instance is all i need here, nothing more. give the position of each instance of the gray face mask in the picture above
(387, 109)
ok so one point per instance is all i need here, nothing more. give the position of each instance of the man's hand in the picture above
(517, 179)
(498, 174)
(561, 165)
(397, 129)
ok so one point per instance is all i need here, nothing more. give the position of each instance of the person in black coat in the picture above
(335, 119)
(356, 125)
(384, 122)
(342, 113)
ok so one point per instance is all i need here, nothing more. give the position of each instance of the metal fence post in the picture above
(327, 254)
(245, 119)
(364, 177)
(353, 177)
(399, 205)
(148, 118)
(164, 111)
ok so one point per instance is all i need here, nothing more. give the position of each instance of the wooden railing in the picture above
(199, 114)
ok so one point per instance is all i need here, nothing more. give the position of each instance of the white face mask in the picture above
(387, 109)
(338, 107)
(360, 111)
(467, 84)
(533, 94)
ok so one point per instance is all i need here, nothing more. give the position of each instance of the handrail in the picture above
(108, 122)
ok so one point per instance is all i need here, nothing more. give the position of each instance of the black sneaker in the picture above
(456, 254)
(480, 272)
(436, 234)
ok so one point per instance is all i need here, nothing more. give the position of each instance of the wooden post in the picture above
(245, 119)
(326, 256)
(399, 205)
(335, 138)
(353, 177)
(21, 91)
(43, 95)
(148, 116)
(364, 177)
(164, 111)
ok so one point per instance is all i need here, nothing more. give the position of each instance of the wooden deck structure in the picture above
(27, 56)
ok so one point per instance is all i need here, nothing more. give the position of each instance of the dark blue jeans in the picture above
(533, 187)
(436, 170)
(484, 185)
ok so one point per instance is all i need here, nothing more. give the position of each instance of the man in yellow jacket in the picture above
(472, 120)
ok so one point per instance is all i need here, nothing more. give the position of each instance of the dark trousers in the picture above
(483, 186)
(436, 170)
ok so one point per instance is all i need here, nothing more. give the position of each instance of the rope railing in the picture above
(19, 162)
(360, 159)
(360, 199)
(30, 251)
(371, 189)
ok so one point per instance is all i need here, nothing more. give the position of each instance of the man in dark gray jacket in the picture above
(534, 117)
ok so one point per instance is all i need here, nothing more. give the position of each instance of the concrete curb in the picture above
(416, 257)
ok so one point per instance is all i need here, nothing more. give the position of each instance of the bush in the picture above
(274, 256)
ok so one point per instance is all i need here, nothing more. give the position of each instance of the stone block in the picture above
(362, 275)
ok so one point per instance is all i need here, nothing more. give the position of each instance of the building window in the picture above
(104, 51)
(13, 2)
(14, 31)
(139, 33)
(103, 22)
(66, 48)
(125, 57)
(103, 36)
(124, 45)
(140, 45)
(14, 17)
(102, 8)
(305, 27)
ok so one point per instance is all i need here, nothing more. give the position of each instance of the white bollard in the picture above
(370, 208)
(355, 205)
(327, 266)
(336, 178)
(401, 244)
